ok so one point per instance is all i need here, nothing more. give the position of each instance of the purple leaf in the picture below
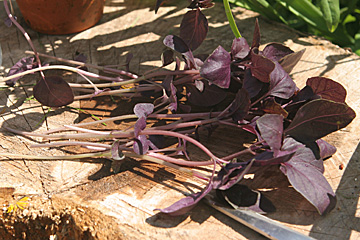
(327, 89)
(290, 145)
(326, 149)
(289, 61)
(173, 98)
(143, 109)
(199, 85)
(194, 28)
(310, 183)
(305, 175)
(186, 204)
(256, 36)
(240, 106)
(216, 68)
(26, 63)
(252, 85)
(276, 51)
(240, 48)
(116, 152)
(302, 153)
(271, 130)
(261, 67)
(128, 59)
(303, 96)
(210, 96)
(231, 174)
(8, 21)
(267, 158)
(53, 91)
(270, 106)
(176, 43)
(139, 126)
(141, 145)
(318, 118)
(167, 57)
(281, 84)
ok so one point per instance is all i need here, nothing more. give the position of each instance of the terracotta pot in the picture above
(61, 16)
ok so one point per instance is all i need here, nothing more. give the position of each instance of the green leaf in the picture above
(356, 46)
(331, 13)
(261, 6)
(307, 11)
(349, 19)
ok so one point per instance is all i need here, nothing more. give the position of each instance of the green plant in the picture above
(335, 20)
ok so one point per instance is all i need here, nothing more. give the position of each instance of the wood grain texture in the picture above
(99, 204)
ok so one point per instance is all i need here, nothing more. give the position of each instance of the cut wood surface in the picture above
(87, 200)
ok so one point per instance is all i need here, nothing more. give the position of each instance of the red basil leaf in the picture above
(167, 57)
(261, 67)
(240, 48)
(327, 89)
(303, 153)
(216, 68)
(326, 149)
(311, 184)
(267, 158)
(276, 51)
(252, 85)
(210, 96)
(139, 126)
(26, 63)
(194, 28)
(318, 118)
(271, 130)
(185, 204)
(143, 109)
(304, 172)
(173, 98)
(141, 145)
(53, 91)
(288, 62)
(231, 174)
(240, 106)
(270, 106)
(281, 84)
(176, 43)
(256, 36)
(116, 152)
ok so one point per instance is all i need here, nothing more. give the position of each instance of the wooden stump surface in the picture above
(85, 200)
